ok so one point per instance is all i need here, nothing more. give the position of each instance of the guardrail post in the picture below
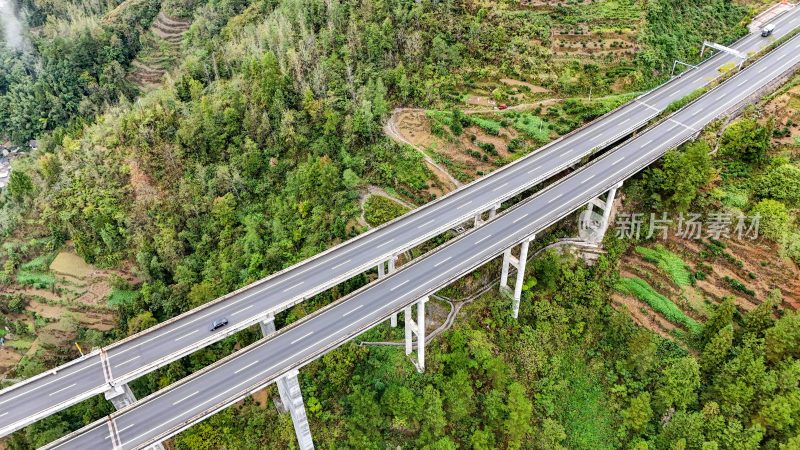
(416, 327)
(519, 263)
(121, 396)
(292, 400)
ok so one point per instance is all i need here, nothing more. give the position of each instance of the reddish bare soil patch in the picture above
(8, 359)
(466, 155)
(761, 269)
(643, 315)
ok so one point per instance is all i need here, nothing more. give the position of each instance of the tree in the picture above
(678, 384)
(552, 435)
(638, 413)
(781, 183)
(482, 439)
(682, 173)
(774, 219)
(459, 396)
(717, 349)
(747, 140)
(432, 417)
(758, 320)
(721, 317)
(783, 339)
(518, 423)
(20, 185)
(141, 322)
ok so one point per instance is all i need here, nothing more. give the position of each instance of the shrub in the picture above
(781, 183)
(667, 261)
(774, 219)
(490, 126)
(379, 209)
(739, 286)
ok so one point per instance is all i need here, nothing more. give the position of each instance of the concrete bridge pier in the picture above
(593, 226)
(384, 269)
(267, 325)
(292, 400)
(519, 263)
(416, 327)
(120, 396)
(492, 213)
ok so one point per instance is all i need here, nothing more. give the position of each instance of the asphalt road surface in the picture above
(166, 412)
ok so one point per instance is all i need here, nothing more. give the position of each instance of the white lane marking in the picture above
(187, 397)
(584, 181)
(404, 282)
(648, 142)
(648, 105)
(246, 367)
(500, 187)
(443, 261)
(534, 169)
(426, 223)
(119, 431)
(127, 361)
(243, 310)
(385, 243)
(743, 83)
(186, 335)
(463, 205)
(520, 218)
(4, 414)
(626, 120)
(340, 265)
(352, 310)
(683, 125)
(293, 286)
(555, 198)
(302, 337)
(62, 389)
(596, 136)
(36, 388)
(483, 239)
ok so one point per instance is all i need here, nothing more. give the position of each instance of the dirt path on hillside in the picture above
(393, 132)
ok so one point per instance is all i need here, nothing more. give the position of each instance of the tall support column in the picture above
(519, 263)
(121, 396)
(292, 399)
(416, 327)
(593, 227)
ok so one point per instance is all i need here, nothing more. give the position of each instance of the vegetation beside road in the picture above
(253, 156)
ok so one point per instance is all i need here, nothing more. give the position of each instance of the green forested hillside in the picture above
(252, 155)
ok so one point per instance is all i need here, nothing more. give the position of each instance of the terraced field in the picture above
(670, 286)
(161, 50)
